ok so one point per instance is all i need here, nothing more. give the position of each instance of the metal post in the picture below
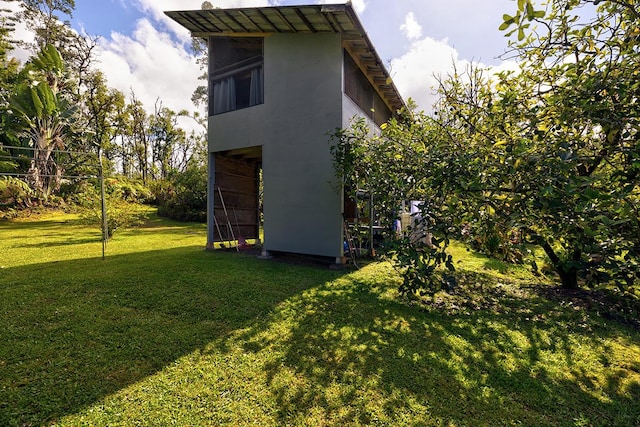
(372, 251)
(105, 229)
(212, 223)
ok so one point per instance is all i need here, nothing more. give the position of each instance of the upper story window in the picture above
(236, 77)
(361, 91)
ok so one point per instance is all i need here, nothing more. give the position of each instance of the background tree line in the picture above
(57, 110)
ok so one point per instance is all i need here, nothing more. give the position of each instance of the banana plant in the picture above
(44, 117)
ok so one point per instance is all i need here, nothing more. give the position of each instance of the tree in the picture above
(7, 26)
(585, 117)
(9, 68)
(44, 116)
(548, 155)
(407, 161)
(41, 17)
(166, 137)
(45, 19)
(102, 107)
(139, 137)
(185, 196)
(193, 147)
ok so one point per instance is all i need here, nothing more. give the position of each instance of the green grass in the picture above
(164, 333)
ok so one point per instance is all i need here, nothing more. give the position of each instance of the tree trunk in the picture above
(568, 275)
(44, 173)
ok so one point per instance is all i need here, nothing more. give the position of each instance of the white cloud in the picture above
(415, 73)
(152, 65)
(411, 29)
(156, 8)
(21, 32)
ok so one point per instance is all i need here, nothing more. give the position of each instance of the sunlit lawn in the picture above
(162, 332)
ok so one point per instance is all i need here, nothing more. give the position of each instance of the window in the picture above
(360, 90)
(236, 73)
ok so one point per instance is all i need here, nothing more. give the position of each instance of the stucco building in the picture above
(280, 80)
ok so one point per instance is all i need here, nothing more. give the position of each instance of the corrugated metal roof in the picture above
(327, 18)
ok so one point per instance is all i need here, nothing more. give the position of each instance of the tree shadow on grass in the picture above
(355, 357)
(25, 230)
(337, 350)
(60, 242)
(76, 331)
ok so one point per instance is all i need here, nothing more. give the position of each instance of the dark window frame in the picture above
(236, 73)
(360, 90)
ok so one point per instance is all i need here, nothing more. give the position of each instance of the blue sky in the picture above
(105, 16)
(142, 50)
(470, 26)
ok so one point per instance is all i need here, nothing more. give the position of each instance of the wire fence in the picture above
(54, 151)
(26, 175)
(14, 147)
(98, 156)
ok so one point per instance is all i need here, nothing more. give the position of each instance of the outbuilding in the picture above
(281, 79)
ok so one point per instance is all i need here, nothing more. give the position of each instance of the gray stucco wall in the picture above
(302, 103)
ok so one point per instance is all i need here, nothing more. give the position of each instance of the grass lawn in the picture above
(162, 332)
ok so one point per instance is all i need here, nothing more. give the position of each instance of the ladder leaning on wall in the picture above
(348, 238)
(230, 235)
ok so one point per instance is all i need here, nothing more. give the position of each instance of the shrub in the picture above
(184, 196)
(130, 190)
(494, 239)
(122, 209)
(15, 194)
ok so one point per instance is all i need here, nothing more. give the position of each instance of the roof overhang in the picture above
(311, 19)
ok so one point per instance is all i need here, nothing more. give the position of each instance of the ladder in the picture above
(228, 223)
(350, 244)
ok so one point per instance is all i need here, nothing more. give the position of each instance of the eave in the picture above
(310, 19)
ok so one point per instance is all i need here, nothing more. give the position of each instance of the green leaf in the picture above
(520, 34)
(49, 59)
(56, 58)
(522, 3)
(21, 103)
(37, 102)
(48, 99)
(530, 11)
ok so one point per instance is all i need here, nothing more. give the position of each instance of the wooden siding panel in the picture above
(238, 182)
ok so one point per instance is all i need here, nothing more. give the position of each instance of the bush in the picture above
(130, 190)
(184, 196)
(494, 239)
(123, 209)
(15, 194)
